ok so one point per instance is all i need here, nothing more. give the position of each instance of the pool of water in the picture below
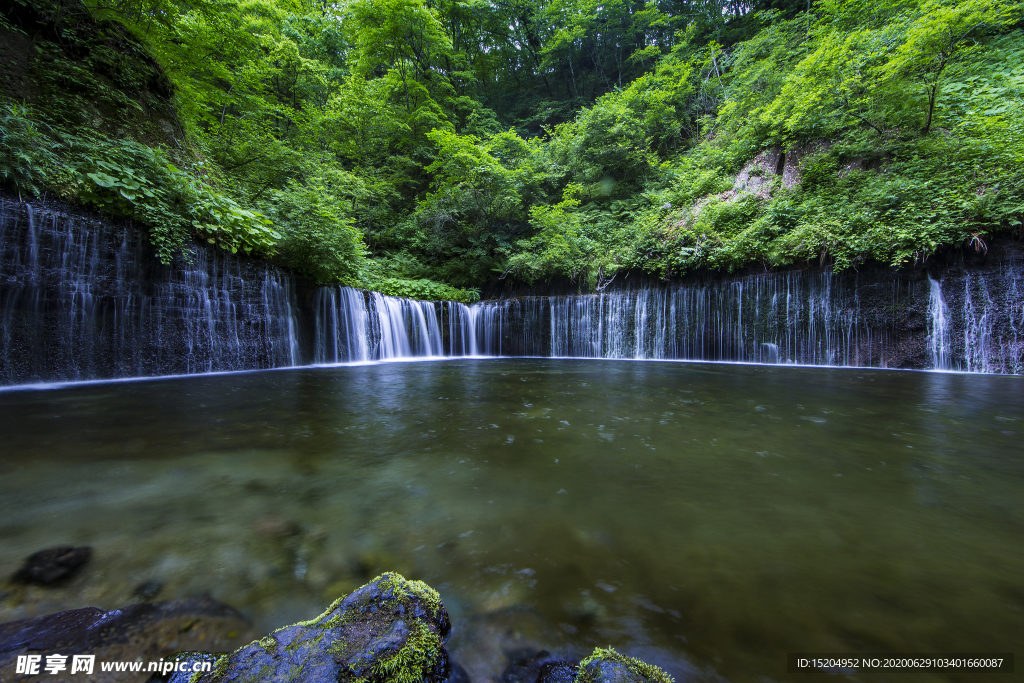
(710, 518)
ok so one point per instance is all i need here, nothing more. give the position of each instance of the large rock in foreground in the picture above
(389, 630)
(608, 666)
(142, 632)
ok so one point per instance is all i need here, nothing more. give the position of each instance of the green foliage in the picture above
(885, 71)
(565, 244)
(471, 186)
(320, 240)
(124, 178)
(425, 148)
(223, 221)
(398, 276)
(27, 156)
(921, 102)
(119, 177)
(427, 290)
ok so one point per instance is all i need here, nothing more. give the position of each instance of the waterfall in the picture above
(513, 327)
(82, 299)
(977, 334)
(788, 317)
(939, 343)
(353, 326)
(403, 328)
(807, 318)
(342, 322)
(463, 324)
(627, 324)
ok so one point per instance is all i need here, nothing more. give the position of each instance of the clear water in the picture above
(708, 517)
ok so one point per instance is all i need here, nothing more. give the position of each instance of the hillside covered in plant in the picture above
(425, 148)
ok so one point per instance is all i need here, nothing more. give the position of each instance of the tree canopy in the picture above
(427, 147)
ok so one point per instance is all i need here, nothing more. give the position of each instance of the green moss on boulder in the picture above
(605, 665)
(391, 629)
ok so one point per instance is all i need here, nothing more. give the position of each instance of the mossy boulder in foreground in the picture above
(391, 629)
(608, 666)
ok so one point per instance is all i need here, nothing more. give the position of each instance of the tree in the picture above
(941, 34)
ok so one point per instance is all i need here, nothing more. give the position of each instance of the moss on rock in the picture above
(605, 665)
(391, 629)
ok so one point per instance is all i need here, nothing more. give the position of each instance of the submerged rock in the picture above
(53, 564)
(524, 666)
(608, 666)
(603, 666)
(558, 672)
(148, 590)
(457, 674)
(390, 630)
(144, 631)
(487, 644)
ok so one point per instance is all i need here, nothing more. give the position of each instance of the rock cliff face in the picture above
(81, 298)
(962, 312)
(59, 60)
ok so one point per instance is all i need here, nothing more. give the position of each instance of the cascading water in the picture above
(939, 343)
(342, 326)
(978, 327)
(85, 300)
(354, 326)
(405, 328)
(790, 317)
(512, 327)
(463, 326)
(807, 318)
(976, 320)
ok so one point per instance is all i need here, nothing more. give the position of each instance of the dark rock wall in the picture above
(82, 298)
(963, 311)
(982, 303)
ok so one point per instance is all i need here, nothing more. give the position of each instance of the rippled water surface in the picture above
(710, 518)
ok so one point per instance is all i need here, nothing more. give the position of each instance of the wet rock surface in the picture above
(389, 630)
(144, 631)
(53, 565)
(557, 672)
(608, 666)
(524, 666)
(493, 645)
(876, 315)
(613, 672)
(147, 590)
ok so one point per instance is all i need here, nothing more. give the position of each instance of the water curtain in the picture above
(82, 300)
